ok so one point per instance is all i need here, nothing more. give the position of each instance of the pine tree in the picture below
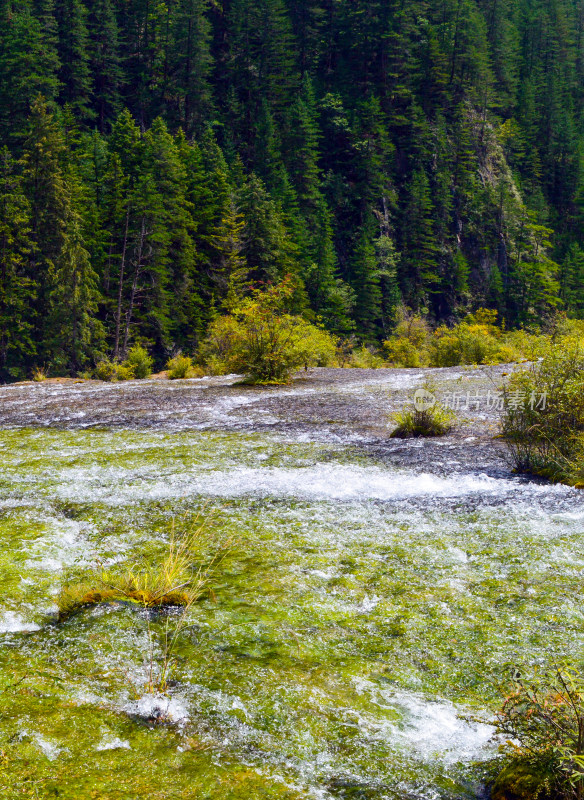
(58, 261)
(105, 62)
(73, 51)
(419, 274)
(17, 347)
(29, 66)
(189, 65)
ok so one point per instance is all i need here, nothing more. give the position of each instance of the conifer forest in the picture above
(160, 157)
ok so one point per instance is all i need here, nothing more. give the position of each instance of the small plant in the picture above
(178, 580)
(429, 422)
(139, 362)
(182, 367)
(542, 720)
(426, 417)
(39, 374)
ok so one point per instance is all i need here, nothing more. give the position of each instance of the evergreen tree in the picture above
(17, 347)
(58, 260)
(105, 62)
(73, 52)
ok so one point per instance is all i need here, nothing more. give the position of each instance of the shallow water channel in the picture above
(373, 596)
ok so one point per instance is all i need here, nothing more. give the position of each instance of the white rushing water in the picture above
(355, 629)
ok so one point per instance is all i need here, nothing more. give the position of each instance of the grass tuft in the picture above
(429, 422)
(178, 580)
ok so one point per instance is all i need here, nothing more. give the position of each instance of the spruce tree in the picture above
(17, 289)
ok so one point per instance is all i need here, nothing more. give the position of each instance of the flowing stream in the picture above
(374, 594)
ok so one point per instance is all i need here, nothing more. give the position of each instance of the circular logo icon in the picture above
(423, 399)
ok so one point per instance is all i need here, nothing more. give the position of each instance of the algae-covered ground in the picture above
(373, 595)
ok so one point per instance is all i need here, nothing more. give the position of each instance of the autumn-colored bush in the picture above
(541, 724)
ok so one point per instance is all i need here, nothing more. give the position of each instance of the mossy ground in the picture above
(336, 636)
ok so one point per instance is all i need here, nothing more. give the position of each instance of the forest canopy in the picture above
(158, 159)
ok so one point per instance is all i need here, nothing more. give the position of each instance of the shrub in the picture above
(39, 374)
(364, 358)
(182, 367)
(407, 346)
(402, 353)
(139, 362)
(543, 416)
(475, 340)
(425, 417)
(108, 370)
(264, 342)
(542, 720)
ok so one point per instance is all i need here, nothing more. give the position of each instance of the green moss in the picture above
(521, 780)
(321, 615)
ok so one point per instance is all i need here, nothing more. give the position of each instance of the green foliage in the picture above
(469, 343)
(475, 340)
(542, 720)
(364, 358)
(408, 345)
(426, 154)
(543, 418)
(182, 367)
(419, 420)
(113, 371)
(137, 365)
(139, 362)
(264, 342)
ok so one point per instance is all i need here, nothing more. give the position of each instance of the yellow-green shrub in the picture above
(139, 362)
(546, 436)
(182, 367)
(407, 346)
(264, 342)
(364, 358)
(467, 343)
(403, 353)
(108, 370)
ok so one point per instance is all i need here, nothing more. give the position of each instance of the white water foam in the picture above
(324, 482)
(434, 729)
(113, 743)
(10, 622)
(159, 707)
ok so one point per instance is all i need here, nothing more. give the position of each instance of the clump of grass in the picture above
(542, 722)
(179, 579)
(413, 422)
(181, 367)
(425, 417)
(39, 374)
